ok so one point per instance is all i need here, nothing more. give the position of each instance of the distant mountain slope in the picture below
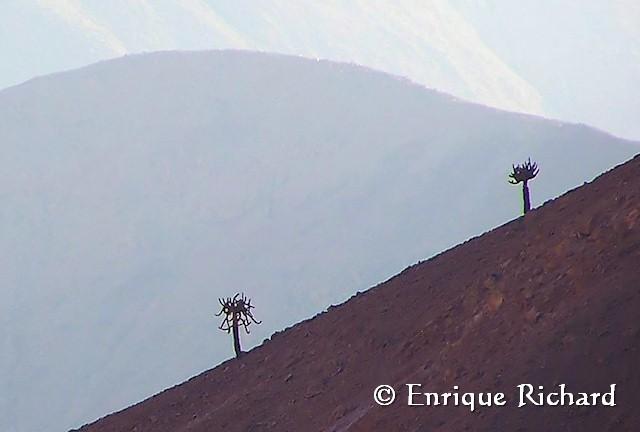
(433, 44)
(582, 61)
(137, 191)
(547, 299)
(536, 56)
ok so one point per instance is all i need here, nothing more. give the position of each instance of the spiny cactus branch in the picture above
(524, 172)
(237, 313)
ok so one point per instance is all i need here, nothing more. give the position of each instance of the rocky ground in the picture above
(550, 298)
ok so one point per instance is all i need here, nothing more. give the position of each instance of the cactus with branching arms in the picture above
(522, 174)
(237, 313)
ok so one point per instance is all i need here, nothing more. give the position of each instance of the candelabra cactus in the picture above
(522, 174)
(237, 312)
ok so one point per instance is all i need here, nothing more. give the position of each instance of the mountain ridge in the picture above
(338, 63)
(491, 52)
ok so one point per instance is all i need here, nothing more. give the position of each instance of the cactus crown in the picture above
(524, 172)
(237, 308)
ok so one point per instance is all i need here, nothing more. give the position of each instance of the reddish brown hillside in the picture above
(547, 299)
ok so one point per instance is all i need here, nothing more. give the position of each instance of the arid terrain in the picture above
(550, 298)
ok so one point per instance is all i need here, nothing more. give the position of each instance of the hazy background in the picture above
(136, 191)
(574, 60)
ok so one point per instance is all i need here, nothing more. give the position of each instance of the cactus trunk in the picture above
(525, 197)
(236, 336)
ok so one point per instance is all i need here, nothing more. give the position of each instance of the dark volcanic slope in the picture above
(547, 299)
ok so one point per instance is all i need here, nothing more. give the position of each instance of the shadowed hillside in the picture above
(137, 191)
(547, 299)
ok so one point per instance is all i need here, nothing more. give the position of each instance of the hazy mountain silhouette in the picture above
(136, 192)
(537, 56)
